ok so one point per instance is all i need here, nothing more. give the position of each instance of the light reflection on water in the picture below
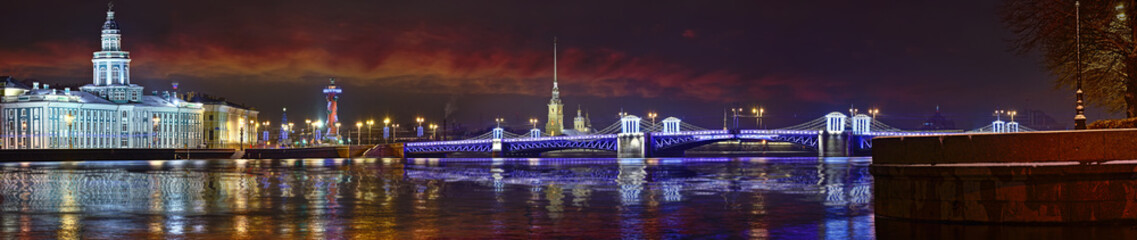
(798, 198)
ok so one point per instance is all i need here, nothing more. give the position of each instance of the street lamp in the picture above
(266, 124)
(498, 121)
(1012, 113)
(154, 141)
(652, 115)
(433, 131)
(358, 132)
(386, 122)
(69, 118)
(418, 129)
(759, 112)
(395, 132)
(534, 122)
(310, 134)
(369, 123)
(316, 127)
(290, 132)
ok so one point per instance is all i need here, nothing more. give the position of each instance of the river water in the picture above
(797, 198)
(669, 198)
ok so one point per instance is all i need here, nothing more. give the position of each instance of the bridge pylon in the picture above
(633, 145)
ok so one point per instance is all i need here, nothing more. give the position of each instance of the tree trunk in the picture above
(1131, 64)
(1130, 94)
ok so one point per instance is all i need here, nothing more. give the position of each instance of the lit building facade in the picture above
(229, 125)
(109, 113)
(581, 123)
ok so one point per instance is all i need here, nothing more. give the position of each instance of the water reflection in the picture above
(806, 198)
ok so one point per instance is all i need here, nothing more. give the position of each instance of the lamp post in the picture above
(386, 121)
(154, 141)
(652, 115)
(310, 134)
(290, 131)
(533, 121)
(735, 112)
(395, 132)
(316, 127)
(498, 121)
(418, 129)
(433, 131)
(1012, 113)
(369, 124)
(265, 141)
(69, 118)
(759, 112)
(358, 132)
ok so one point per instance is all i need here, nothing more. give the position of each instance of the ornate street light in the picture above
(369, 124)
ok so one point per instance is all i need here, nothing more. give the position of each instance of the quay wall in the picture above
(312, 152)
(1035, 177)
(19, 155)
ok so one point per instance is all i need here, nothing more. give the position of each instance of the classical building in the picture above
(109, 113)
(555, 126)
(227, 124)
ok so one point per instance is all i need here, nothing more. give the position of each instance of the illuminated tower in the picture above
(556, 114)
(111, 79)
(333, 96)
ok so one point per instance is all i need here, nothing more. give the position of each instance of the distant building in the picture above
(937, 122)
(227, 124)
(109, 113)
(581, 123)
(11, 87)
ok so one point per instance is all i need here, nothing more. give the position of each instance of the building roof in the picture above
(9, 82)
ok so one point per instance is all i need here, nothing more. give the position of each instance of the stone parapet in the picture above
(1040, 177)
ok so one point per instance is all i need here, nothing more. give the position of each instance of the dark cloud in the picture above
(409, 57)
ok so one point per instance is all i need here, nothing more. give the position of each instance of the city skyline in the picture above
(784, 58)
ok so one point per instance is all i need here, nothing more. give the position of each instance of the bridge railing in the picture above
(570, 138)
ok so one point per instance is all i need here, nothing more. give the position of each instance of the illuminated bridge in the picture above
(834, 134)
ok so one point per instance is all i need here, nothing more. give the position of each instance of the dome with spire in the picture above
(110, 24)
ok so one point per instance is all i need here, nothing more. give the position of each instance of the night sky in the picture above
(690, 59)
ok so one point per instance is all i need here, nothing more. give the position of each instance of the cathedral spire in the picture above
(556, 90)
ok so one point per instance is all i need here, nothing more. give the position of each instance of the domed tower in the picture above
(111, 79)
